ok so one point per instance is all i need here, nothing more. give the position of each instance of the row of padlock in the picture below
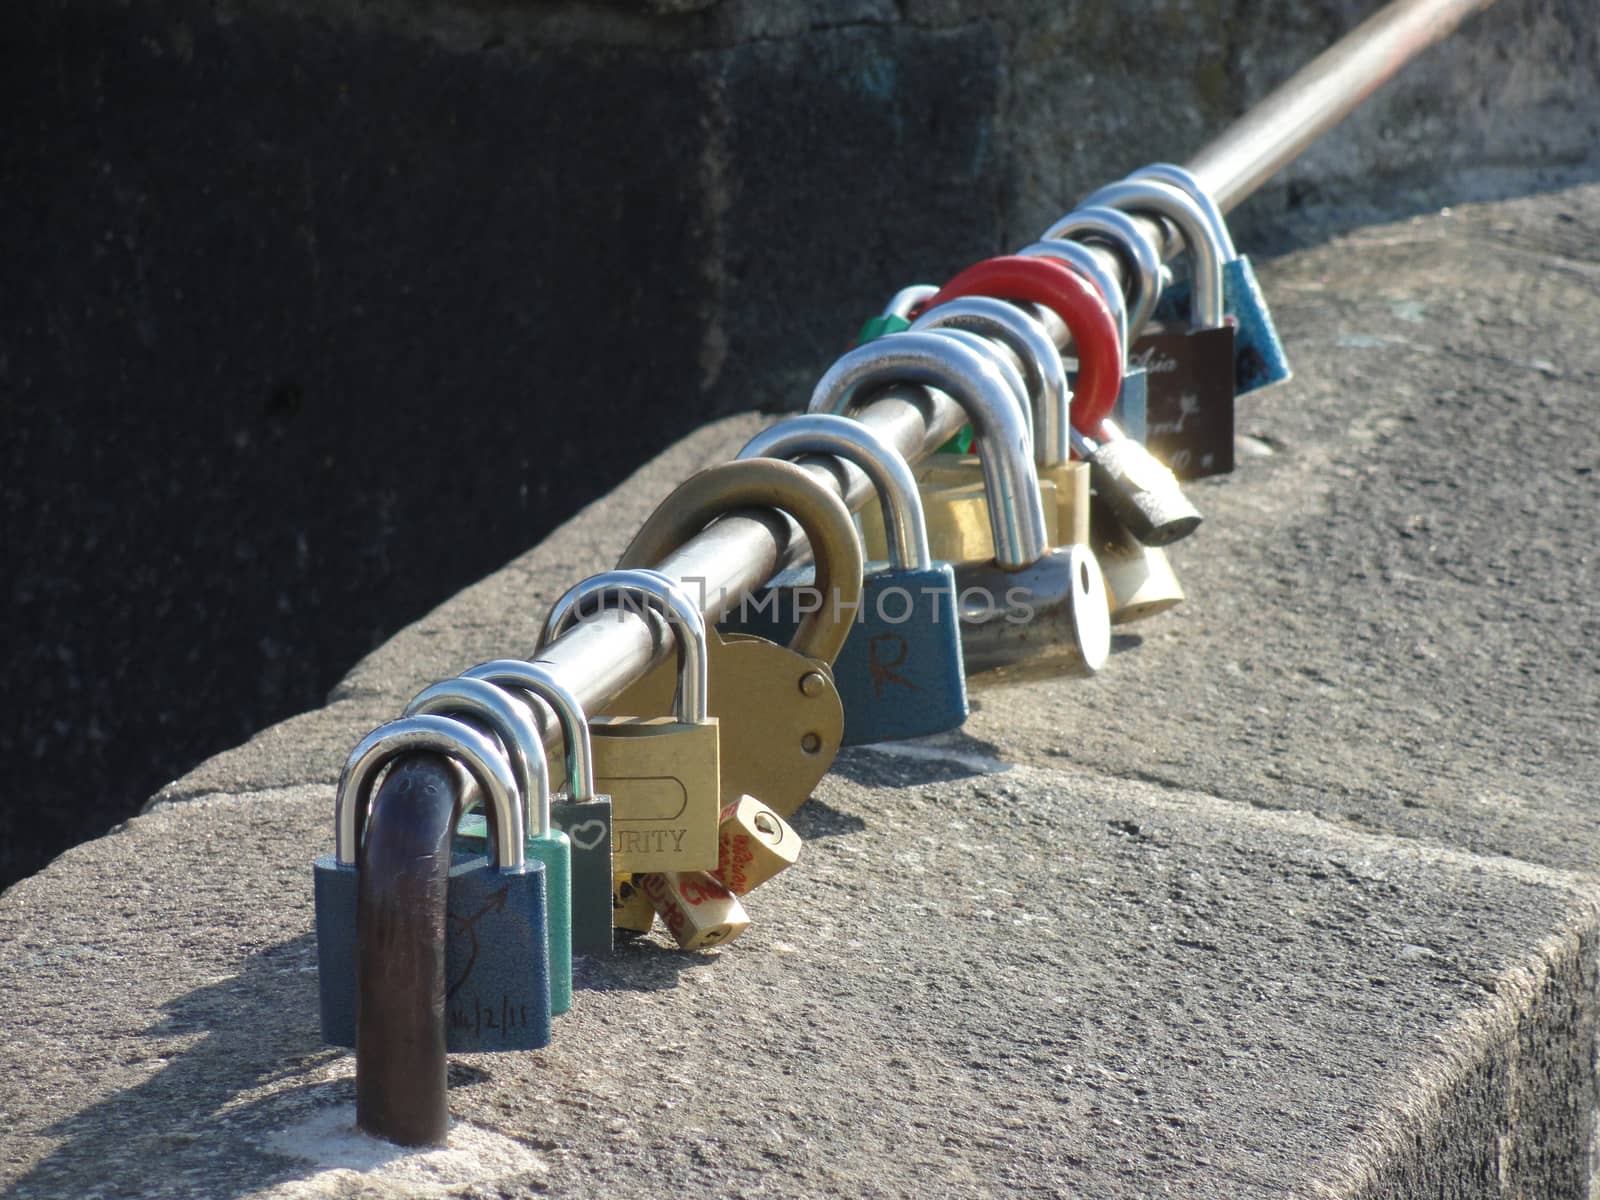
(1012, 562)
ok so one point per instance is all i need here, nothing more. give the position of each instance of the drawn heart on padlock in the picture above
(586, 835)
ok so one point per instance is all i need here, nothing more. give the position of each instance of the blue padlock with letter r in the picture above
(901, 673)
(497, 985)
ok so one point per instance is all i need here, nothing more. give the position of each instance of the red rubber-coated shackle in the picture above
(1081, 308)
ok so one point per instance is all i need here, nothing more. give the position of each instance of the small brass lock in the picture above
(781, 716)
(1140, 581)
(631, 910)
(662, 773)
(697, 910)
(755, 844)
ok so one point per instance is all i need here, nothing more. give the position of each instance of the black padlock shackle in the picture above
(479, 753)
(1186, 182)
(972, 380)
(508, 719)
(538, 683)
(1177, 206)
(826, 433)
(668, 600)
(1135, 249)
(1026, 337)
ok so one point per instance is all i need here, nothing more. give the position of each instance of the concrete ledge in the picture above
(1129, 964)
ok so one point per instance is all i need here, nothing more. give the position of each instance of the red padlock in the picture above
(1081, 308)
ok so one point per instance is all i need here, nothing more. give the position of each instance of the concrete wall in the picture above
(314, 313)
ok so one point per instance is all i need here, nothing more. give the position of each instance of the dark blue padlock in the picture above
(497, 985)
(901, 672)
(1258, 354)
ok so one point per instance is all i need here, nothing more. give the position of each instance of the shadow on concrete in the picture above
(242, 1055)
(639, 964)
(912, 763)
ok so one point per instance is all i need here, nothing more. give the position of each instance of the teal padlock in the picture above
(900, 673)
(497, 985)
(581, 814)
(519, 736)
(1259, 357)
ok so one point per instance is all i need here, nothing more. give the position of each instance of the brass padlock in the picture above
(631, 910)
(781, 716)
(1063, 483)
(1030, 611)
(754, 844)
(1140, 581)
(697, 910)
(662, 772)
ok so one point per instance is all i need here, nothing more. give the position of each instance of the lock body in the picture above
(631, 910)
(900, 673)
(1140, 581)
(663, 778)
(588, 825)
(955, 504)
(497, 968)
(755, 844)
(1189, 402)
(781, 722)
(696, 909)
(1259, 357)
(1047, 620)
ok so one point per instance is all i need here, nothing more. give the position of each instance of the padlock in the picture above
(662, 773)
(1140, 581)
(631, 911)
(782, 719)
(1132, 394)
(697, 910)
(578, 812)
(754, 844)
(1189, 407)
(1030, 611)
(1258, 355)
(900, 673)
(896, 315)
(1063, 483)
(1143, 493)
(511, 720)
(497, 980)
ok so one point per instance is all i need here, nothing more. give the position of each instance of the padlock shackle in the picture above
(1082, 260)
(1205, 255)
(1016, 384)
(1081, 308)
(1045, 373)
(772, 484)
(883, 465)
(508, 719)
(908, 299)
(673, 604)
(971, 379)
(1130, 242)
(475, 750)
(1186, 183)
(538, 681)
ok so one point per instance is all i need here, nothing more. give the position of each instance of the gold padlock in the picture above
(755, 843)
(1140, 581)
(1063, 483)
(663, 773)
(631, 910)
(696, 909)
(781, 718)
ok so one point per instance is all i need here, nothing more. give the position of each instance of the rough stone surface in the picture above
(310, 306)
(1296, 898)
(1025, 982)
